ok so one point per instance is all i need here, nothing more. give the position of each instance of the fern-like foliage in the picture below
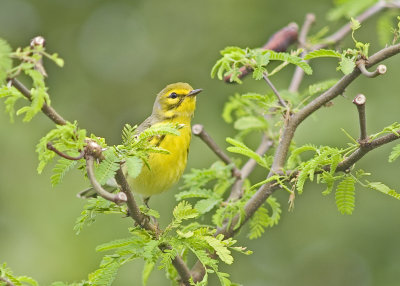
(7, 274)
(65, 138)
(395, 153)
(324, 156)
(233, 58)
(262, 219)
(5, 60)
(94, 207)
(61, 168)
(321, 86)
(240, 148)
(108, 166)
(345, 195)
(378, 186)
(348, 8)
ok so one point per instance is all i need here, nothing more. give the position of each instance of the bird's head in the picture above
(177, 99)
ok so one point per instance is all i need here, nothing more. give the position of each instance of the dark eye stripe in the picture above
(176, 105)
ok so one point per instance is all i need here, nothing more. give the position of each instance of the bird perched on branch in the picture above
(174, 104)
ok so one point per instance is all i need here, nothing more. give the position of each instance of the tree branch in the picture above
(276, 92)
(359, 101)
(380, 70)
(7, 281)
(298, 72)
(118, 198)
(46, 109)
(346, 29)
(199, 131)
(92, 152)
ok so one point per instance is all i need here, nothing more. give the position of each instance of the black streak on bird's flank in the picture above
(159, 141)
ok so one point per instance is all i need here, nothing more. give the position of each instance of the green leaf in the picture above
(395, 153)
(184, 211)
(5, 60)
(134, 166)
(345, 195)
(194, 193)
(206, 205)
(250, 122)
(107, 167)
(159, 129)
(346, 65)
(241, 148)
(258, 222)
(322, 53)
(321, 86)
(295, 60)
(147, 269)
(62, 167)
(220, 248)
(378, 186)
(105, 275)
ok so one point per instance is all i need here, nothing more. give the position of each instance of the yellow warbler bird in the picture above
(174, 104)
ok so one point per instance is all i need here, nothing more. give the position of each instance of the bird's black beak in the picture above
(195, 92)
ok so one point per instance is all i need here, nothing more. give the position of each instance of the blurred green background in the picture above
(118, 55)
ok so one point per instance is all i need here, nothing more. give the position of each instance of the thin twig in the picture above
(118, 198)
(276, 92)
(298, 72)
(7, 281)
(359, 101)
(346, 29)
(248, 167)
(199, 131)
(380, 70)
(46, 109)
(51, 147)
(308, 22)
(143, 221)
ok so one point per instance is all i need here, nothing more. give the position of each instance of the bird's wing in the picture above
(145, 124)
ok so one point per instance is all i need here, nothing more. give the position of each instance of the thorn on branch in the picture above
(199, 131)
(51, 147)
(380, 70)
(360, 101)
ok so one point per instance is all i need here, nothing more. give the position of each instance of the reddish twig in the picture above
(51, 147)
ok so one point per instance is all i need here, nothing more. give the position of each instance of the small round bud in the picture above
(38, 41)
(197, 129)
(360, 99)
(381, 69)
(120, 198)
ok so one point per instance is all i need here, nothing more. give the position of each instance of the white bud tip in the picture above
(360, 99)
(197, 129)
(381, 69)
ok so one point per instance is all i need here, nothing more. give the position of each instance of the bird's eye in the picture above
(173, 95)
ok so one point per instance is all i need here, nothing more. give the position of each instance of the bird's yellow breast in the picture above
(165, 169)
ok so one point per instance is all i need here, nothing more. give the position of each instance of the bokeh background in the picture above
(118, 55)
